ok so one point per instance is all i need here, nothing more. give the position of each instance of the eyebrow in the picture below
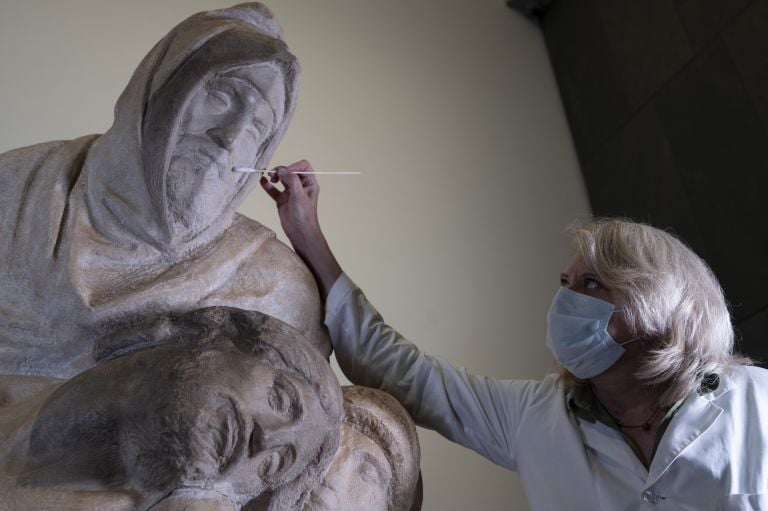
(255, 87)
(590, 275)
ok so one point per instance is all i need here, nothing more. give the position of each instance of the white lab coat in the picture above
(712, 455)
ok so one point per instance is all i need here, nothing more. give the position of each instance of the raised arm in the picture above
(480, 413)
(297, 207)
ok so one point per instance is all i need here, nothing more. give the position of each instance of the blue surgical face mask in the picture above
(578, 335)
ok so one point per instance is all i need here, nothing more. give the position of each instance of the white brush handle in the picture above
(247, 169)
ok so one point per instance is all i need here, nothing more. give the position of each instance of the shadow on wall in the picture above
(533, 9)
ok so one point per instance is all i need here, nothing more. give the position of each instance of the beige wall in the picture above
(450, 110)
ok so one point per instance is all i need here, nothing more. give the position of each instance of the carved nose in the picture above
(226, 136)
(269, 436)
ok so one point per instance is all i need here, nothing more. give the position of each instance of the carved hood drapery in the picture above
(87, 240)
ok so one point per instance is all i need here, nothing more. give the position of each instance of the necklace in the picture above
(645, 426)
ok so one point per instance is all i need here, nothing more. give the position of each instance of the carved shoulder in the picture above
(17, 166)
(274, 280)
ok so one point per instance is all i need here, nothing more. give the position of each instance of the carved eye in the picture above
(283, 398)
(228, 432)
(275, 462)
(280, 401)
(269, 465)
(369, 474)
(254, 133)
(370, 470)
(217, 101)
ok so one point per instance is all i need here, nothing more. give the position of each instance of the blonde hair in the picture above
(668, 294)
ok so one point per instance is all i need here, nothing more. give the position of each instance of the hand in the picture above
(296, 203)
(297, 208)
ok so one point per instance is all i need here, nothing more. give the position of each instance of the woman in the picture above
(652, 406)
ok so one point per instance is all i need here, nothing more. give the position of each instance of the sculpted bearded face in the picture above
(227, 123)
(224, 102)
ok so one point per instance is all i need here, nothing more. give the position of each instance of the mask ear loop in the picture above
(624, 343)
(629, 341)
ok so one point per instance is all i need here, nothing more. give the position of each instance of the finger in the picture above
(308, 181)
(273, 174)
(310, 184)
(270, 189)
(290, 180)
(301, 166)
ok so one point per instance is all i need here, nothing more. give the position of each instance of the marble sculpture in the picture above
(158, 350)
(227, 406)
(376, 467)
(101, 231)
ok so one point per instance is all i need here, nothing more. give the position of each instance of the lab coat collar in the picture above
(696, 415)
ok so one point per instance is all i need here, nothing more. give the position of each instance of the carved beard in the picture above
(199, 185)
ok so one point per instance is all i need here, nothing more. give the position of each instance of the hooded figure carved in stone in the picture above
(105, 229)
(230, 410)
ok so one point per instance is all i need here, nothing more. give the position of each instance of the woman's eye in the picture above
(592, 284)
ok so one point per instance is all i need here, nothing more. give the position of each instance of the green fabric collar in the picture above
(583, 404)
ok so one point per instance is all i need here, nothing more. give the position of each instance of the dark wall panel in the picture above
(593, 95)
(752, 331)
(668, 105)
(747, 43)
(705, 19)
(640, 159)
(721, 155)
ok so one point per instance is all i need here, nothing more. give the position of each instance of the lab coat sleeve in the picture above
(477, 412)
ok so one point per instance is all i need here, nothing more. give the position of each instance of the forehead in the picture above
(263, 76)
(223, 364)
(577, 265)
(264, 82)
(226, 356)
